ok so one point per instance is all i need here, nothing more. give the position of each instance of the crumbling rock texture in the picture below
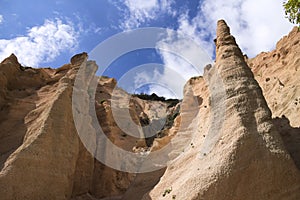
(42, 156)
(277, 73)
(43, 164)
(236, 131)
(245, 157)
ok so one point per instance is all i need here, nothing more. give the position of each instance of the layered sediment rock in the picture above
(227, 144)
(42, 156)
(236, 156)
(42, 167)
(277, 73)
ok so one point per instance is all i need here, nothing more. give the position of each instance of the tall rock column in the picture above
(259, 166)
(242, 155)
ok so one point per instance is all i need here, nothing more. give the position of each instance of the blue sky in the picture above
(47, 33)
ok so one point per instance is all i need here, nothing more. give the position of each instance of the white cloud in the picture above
(192, 29)
(257, 25)
(183, 59)
(183, 52)
(164, 82)
(41, 43)
(163, 92)
(1, 19)
(141, 11)
(146, 76)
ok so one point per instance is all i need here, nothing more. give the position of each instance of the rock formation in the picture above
(277, 73)
(42, 156)
(248, 160)
(236, 131)
(44, 160)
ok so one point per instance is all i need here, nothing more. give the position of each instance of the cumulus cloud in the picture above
(162, 81)
(183, 52)
(194, 29)
(1, 19)
(42, 43)
(140, 11)
(183, 58)
(257, 25)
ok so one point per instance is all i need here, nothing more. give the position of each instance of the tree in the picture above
(292, 11)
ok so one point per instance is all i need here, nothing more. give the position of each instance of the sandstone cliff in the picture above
(277, 73)
(236, 131)
(237, 152)
(42, 156)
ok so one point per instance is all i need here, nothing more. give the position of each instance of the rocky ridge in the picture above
(236, 156)
(39, 145)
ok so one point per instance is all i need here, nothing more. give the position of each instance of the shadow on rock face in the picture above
(290, 136)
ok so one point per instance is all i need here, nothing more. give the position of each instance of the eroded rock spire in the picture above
(225, 42)
(238, 153)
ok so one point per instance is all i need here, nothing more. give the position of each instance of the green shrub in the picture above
(167, 191)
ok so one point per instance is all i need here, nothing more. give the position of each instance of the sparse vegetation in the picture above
(123, 134)
(154, 97)
(167, 191)
(23, 68)
(292, 11)
(170, 120)
(102, 101)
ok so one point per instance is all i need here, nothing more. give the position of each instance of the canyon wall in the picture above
(236, 131)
